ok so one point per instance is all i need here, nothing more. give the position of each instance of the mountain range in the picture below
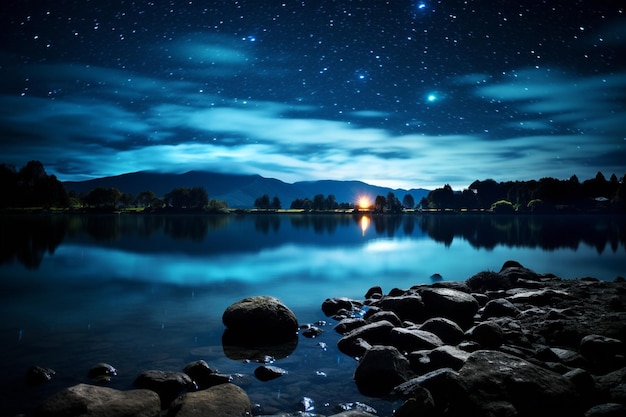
(240, 191)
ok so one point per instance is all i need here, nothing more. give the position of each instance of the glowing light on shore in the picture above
(364, 203)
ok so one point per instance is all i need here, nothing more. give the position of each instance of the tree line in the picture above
(542, 196)
(31, 187)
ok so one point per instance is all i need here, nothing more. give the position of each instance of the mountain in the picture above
(239, 191)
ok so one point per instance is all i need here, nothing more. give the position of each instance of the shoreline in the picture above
(517, 317)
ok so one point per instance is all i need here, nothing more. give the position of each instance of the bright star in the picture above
(431, 98)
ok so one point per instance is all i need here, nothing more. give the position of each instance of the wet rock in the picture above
(95, 401)
(373, 333)
(496, 380)
(262, 318)
(332, 306)
(101, 373)
(348, 324)
(447, 330)
(205, 377)
(448, 357)
(267, 373)
(39, 374)
(500, 308)
(390, 316)
(455, 305)
(421, 403)
(374, 292)
(411, 339)
(226, 400)
(356, 407)
(487, 334)
(168, 385)
(380, 370)
(312, 332)
(406, 307)
(584, 384)
(354, 413)
(570, 358)
(306, 404)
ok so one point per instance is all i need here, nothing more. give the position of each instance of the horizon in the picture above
(409, 94)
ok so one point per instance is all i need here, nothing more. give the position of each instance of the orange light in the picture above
(364, 202)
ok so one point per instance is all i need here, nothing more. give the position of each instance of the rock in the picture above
(39, 374)
(373, 333)
(261, 318)
(493, 379)
(168, 385)
(226, 400)
(408, 340)
(306, 404)
(487, 334)
(455, 305)
(442, 384)
(390, 316)
(607, 410)
(421, 403)
(348, 324)
(205, 377)
(356, 407)
(570, 358)
(539, 298)
(406, 307)
(500, 308)
(488, 281)
(267, 373)
(601, 351)
(374, 292)
(447, 330)
(448, 357)
(380, 370)
(312, 332)
(584, 383)
(331, 306)
(96, 401)
(354, 413)
(101, 373)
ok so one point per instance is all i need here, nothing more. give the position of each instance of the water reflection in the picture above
(27, 239)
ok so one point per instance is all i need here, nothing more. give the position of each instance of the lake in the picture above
(148, 291)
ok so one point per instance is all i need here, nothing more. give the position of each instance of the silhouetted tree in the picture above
(262, 202)
(408, 201)
(103, 197)
(380, 203)
(276, 203)
(182, 197)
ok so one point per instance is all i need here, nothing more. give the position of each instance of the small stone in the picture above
(267, 373)
(39, 374)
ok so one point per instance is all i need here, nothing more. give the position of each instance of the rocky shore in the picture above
(512, 343)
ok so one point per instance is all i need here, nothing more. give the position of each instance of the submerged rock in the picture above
(39, 374)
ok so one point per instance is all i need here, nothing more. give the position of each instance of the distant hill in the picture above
(239, 191)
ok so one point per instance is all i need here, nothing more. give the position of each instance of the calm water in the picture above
(148, 292)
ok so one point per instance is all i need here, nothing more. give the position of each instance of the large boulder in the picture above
(500, 384)
(96, 401)
(225, 400)
(455, 305)
(380, 370)
(261, 318)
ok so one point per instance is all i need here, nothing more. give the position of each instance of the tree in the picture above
(393, 204)
(103, 197)
(319, 202)
(262, 202)
(276, 203)
(379, 203)
(408, 201)
(182, 197)
(147, 199)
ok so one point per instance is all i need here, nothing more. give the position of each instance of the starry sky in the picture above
(399, 93)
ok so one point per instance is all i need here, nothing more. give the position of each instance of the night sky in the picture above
(398, 93)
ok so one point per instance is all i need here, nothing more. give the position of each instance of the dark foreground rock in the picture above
(225, 400)
(261, 318)
(95, 401)
(508, 343)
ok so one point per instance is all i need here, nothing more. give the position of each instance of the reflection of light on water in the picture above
(387, 245)
(365, 223)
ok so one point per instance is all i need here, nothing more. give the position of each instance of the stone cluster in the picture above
(507, 343)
